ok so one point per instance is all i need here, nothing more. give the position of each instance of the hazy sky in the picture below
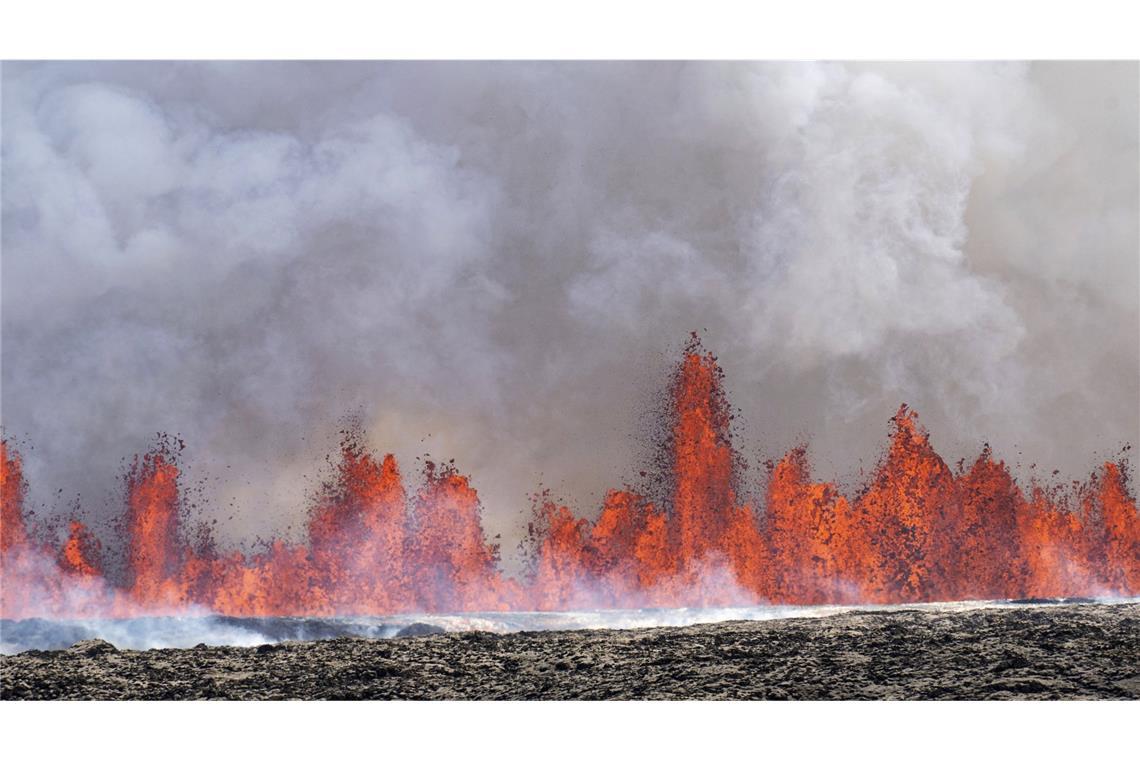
(499, 262)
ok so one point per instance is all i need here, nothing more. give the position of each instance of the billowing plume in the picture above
(484, 261)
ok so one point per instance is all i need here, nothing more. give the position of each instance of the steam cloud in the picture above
(492, 262)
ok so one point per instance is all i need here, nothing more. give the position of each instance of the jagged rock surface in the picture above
(1063, 652)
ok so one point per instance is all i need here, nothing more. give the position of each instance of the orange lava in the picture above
(917, 531)
(13, 532)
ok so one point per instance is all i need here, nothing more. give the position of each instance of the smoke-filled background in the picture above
(499, 262)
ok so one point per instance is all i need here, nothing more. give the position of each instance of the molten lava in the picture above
(453, 566)
(155, 557)
(13, 533)
(80, 553)
(918, 531)
(806, 527)
(703, 466)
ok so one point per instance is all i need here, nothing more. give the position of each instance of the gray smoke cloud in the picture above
(498, 262)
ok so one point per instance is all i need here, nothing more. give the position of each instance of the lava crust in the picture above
(1075, 651)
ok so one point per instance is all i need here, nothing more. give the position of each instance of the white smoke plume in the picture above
(494, 262)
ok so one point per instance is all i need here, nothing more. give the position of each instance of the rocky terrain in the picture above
(1074, 651)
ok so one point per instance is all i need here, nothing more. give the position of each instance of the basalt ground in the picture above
(1069, 651)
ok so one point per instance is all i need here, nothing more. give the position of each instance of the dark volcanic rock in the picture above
(419, 629)
(1052, 652)
(92, 648)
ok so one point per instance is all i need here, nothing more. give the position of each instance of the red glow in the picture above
(919, 531)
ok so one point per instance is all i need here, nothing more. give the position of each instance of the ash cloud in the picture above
(493, 262)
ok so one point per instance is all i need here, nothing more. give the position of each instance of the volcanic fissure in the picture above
(918, 531)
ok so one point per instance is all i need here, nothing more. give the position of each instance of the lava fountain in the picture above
(917, 531)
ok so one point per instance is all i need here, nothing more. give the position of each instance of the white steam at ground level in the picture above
(186, 631)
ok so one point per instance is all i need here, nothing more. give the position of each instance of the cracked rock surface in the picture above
(1081, 651)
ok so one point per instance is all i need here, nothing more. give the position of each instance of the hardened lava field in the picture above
(1068, 651)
